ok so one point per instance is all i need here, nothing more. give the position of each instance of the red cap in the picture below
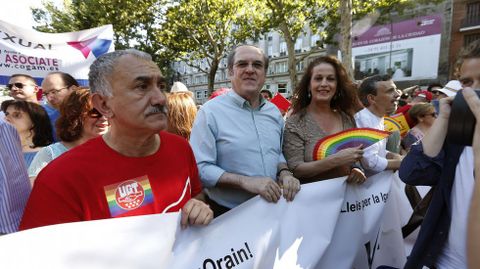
(425, 94)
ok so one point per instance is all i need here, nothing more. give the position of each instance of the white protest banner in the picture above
(26, 51)
(330, 224)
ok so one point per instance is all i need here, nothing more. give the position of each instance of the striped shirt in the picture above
(14, 183)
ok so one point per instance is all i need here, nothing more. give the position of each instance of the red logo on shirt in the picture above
(129, 195)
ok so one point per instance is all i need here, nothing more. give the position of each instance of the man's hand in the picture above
(264, 186)
(196, 212)
(290, 185)
(356, 176)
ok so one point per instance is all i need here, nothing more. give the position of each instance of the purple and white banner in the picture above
(330, 224)
(407, 50)
(26, 51)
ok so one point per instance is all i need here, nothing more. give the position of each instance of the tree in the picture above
(203, 31)
(290, 17)
(134, 21)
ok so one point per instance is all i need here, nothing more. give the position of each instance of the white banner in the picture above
(329, 225)
(27, 51)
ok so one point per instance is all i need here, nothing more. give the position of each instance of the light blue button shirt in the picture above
(229, 136)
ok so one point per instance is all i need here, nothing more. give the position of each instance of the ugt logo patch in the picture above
(128, 195)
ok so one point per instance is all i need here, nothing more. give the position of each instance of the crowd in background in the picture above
(233, 147)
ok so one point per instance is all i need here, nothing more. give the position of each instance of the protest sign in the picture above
(26, 51)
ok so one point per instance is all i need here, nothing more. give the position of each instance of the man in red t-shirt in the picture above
(135, 168)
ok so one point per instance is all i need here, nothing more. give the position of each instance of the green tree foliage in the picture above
(204, 31)
(290, 17)
(135, 22)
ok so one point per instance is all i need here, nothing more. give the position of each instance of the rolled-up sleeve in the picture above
(203, 143)
(372, 161)
(419, 169)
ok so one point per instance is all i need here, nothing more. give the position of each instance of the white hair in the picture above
(103, 67)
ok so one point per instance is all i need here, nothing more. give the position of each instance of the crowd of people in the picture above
(125, 146)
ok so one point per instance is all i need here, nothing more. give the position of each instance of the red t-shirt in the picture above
(92, 181)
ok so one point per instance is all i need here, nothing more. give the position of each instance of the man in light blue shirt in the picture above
(237, 139)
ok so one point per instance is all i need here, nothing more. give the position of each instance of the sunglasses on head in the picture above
(94, 114)
(17, 85)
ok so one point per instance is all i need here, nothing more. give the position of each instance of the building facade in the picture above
(465, 26)
(306, 49)
(277, 80)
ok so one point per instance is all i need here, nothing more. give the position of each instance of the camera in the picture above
(461, 123)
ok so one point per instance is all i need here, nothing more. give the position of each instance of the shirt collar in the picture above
(243, 103)
(373, 116)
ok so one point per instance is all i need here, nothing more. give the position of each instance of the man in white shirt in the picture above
(380, 97)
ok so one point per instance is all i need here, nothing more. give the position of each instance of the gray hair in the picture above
(103, 67)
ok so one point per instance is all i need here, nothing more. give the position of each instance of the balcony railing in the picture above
(470, 22)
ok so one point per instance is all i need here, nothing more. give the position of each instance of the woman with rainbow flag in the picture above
(323, 104)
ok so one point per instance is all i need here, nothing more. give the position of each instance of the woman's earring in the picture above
(309, 94)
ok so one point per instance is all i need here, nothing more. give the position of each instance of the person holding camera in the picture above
(473, 245)
(441, 242)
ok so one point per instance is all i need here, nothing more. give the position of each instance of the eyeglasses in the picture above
(54, 92)
(17, 85)
(94, 114)
(434, 115)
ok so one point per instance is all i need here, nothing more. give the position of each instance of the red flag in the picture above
(281, 102)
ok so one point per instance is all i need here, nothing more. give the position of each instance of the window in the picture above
(282, 87)
(198, 95)
(270, 69)
(270, 50)
(283, 48)
(298, 45)
(314, 40)
(472, 17)
(269, 38)
(281, 67)
(198, 79)
(299, 66)
(205, 94)
(470, 38)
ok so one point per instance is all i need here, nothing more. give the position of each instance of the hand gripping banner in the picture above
(330, 224)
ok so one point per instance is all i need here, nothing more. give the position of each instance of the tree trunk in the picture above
(211, 75)
(292, 60)
(292, 64)
(346, 35)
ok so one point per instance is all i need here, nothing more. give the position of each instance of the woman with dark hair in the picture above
(32, 124)
(323, 104)
(78, 122)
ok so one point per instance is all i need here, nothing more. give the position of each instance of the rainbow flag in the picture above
(396, 122)
(347, 139)
(128, 195)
